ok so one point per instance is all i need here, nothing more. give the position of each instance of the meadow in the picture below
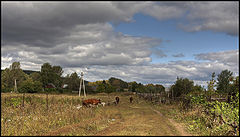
(60, 114)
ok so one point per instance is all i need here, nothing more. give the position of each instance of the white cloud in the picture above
(74, 34)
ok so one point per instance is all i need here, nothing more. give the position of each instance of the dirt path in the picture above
(149, 124)
(178, 126)
(125, 119)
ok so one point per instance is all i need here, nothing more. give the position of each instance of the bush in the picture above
(28, 86)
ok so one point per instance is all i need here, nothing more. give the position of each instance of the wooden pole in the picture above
(23, 100)
(80, 87)
(84, 88)
(47, 100)
(15, 86)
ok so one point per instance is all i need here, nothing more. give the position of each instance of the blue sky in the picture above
(148, 42)
(175, 40)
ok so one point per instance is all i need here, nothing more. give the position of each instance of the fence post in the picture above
(23, 100)
(47, 100)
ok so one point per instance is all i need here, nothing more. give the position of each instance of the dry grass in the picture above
(63, 118)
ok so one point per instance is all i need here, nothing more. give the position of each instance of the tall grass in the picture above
(36, 118)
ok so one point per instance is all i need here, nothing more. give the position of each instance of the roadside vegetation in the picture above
(41, 104)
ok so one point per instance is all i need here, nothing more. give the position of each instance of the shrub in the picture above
(28, 86)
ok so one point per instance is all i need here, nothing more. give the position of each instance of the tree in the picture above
(30, 86)
(51, 74)
(160, 88)
(57, 70)
(47, 74)
(118, 83)
(132, 86)
(35, 76)
(74, 82)
(211, 85)
(234, 89)
(9, 75)
(182, 87)
(223, 84)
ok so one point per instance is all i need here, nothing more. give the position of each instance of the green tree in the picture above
(58, 81)
(223, 84)
(74, 82)
(160, 88)
(30, 86)
(118, 83)
(47, 74)
(51, 74)
(8, 76)
(132, 86)
(182, 87)
(234, 89)
(211, 85)
(35, 76)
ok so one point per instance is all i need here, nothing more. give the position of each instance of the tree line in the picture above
(37, 82)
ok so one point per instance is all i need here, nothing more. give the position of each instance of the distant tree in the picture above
(132, 86)
(51, 74)
(35, 76)
(58, 81)
(160, 88)
(211, 86)
(223, 84)
(9, 75)
(118, 83)
(141, 88)
(47, 74)
(150, 88)
(30, 86)
(198, 88)
(74, 82)
(182, 87)
(233, 89)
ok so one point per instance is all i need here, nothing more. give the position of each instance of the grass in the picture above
(63, 118)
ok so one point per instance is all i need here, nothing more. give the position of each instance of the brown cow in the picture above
(90, 102)
(117, 100)
(131, 99)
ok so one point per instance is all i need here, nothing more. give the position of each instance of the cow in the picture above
(131, 99)
(117, 100)
(91, 102)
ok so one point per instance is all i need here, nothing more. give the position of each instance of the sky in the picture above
(148, 42)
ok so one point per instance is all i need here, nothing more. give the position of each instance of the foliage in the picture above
(182, 87)
(73, 82)
(223, 84)
(105, 87)
(51, 74)
(141, 88)
(211, 85)
(9, 75)
(30, 86)
(35, 76)
(118, 83)
(132, 86)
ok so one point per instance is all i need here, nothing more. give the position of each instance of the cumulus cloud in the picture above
(215, 16)
(178, 55)
(226, 57)
(91, 44)
(74, 34)
(161, 73)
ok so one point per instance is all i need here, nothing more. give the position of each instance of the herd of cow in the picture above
(96, 102)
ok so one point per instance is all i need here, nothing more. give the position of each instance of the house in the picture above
(64, 85)
(50, 85)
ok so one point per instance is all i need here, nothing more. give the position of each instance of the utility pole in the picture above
(82, 81)
(15, 86)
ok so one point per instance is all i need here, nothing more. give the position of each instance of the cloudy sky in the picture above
(147, 42)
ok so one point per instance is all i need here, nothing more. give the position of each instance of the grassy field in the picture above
(60, 115)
